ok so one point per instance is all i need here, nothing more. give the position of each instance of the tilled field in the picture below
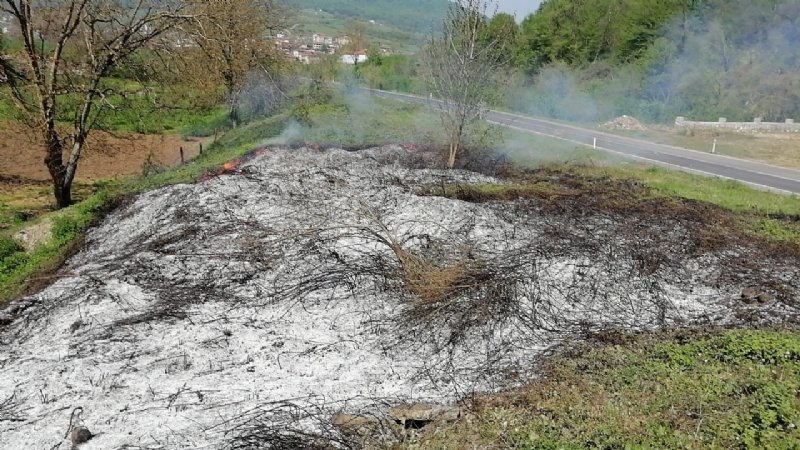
(107, 155)
(245, 310)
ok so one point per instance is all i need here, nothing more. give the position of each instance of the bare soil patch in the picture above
(107, 155)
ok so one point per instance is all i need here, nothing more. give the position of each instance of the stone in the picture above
(36, 234)
(624, 123)
(6, 319)
(764, 299)
(354, 424)
(750, 294)
(80, 435)
(76, 326)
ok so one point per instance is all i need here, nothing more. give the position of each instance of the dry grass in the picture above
(433, 283)
(780, 149)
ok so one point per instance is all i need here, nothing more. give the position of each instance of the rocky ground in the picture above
(625, 123)
(250, 308)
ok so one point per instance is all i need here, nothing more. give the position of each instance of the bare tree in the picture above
(462, 67)
(233, 39)
(70, 48)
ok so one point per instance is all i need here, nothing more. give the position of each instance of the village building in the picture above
(355, 58)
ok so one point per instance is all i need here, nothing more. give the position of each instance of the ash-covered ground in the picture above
(312, 282)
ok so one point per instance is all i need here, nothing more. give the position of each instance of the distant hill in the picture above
(419, 16)
(309, 21)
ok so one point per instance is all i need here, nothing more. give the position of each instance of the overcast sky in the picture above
(519, 7)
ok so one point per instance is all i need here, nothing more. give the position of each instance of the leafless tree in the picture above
(462, 67)
(70, 48)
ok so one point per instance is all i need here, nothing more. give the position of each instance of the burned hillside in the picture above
(247, 309)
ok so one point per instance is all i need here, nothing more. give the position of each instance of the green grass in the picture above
(144, 112)
(147, 113)
(360, 119)
(734, 389)
(20, 270)
(531, 150)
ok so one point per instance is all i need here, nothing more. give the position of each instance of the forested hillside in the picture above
(662, 58)
(411, 15)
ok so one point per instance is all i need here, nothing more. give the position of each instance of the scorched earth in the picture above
(307, 283)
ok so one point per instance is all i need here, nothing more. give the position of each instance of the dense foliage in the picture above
(592, 60)
(661, 58)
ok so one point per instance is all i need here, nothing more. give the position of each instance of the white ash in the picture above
(183, 312)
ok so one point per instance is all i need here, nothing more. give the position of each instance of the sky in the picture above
(519, 7)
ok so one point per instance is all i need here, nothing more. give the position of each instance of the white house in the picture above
(355, 58)
(319, 38)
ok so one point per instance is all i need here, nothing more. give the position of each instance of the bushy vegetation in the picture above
(8, 247)
(392, 73)
(733, 389)
(659, 59)
(591, 60)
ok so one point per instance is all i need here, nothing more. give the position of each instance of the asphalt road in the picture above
(759, 175)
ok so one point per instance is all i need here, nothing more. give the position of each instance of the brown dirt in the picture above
(106, 156)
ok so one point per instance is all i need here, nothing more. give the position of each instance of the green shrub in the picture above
(13, 262)
(9, 247)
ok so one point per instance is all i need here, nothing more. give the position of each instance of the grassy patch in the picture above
(729, 194)
(530, 150)
(22, 271)
(360, 119)
(735, 389)
(144, 112)
(143, 115)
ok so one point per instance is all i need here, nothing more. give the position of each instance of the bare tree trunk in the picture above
(455, 146)
(451, 158)
(85, 41)
(55, 166)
